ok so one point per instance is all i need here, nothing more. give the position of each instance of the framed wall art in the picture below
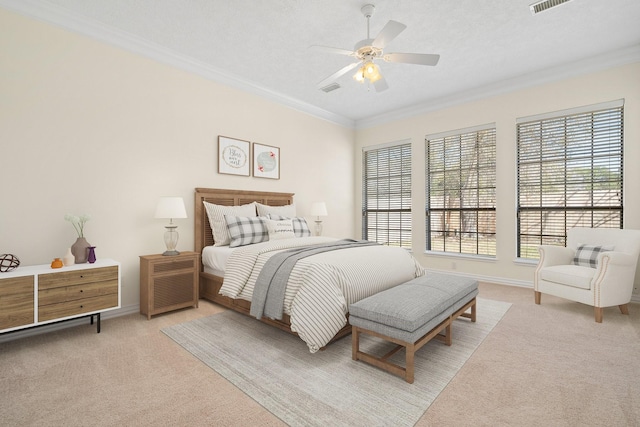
(233, 156)
(266, 161)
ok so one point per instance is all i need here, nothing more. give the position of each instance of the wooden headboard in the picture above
(203, 234)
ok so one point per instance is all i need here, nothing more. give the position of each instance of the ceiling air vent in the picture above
(329, 88)
(541, 6)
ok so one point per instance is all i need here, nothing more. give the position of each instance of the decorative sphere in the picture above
(8, 262)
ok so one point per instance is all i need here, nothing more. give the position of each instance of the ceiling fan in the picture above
(369, 50)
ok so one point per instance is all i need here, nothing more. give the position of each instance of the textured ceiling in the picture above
(485, 46)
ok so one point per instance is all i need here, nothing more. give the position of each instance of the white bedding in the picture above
(214, 259)
(322, 286)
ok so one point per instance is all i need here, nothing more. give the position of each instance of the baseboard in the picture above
(508, 282)
(490, 279)
(37, 330)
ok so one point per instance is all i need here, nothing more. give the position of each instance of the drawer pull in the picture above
(81, 291)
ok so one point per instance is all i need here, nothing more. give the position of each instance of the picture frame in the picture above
(266, 161)
(234, 156)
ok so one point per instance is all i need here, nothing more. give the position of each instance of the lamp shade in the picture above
(171, 207)
(318, 209)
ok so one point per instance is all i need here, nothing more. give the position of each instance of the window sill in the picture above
(470, 257)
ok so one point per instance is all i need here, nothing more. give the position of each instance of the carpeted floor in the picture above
(328, 388)
(541, 365)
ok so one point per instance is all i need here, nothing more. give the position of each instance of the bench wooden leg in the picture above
(462, 312)
(447, 334)
(408, 374)
(355, 342)
(537, 296)
(624, 308)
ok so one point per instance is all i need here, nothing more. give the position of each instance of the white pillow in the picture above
(280, 229)
(286, 210)
(216, 213)
(300, 226)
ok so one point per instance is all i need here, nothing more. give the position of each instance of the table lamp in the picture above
(171, 207)
(318, 209)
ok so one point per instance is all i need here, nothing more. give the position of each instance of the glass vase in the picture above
(92, 255)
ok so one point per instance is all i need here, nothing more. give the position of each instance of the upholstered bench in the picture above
(410, 315)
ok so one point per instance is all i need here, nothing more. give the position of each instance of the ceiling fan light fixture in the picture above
(370, 71)
(370, 68)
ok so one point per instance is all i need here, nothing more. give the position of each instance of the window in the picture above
(461, 191)
(569, 174)
(386, 201)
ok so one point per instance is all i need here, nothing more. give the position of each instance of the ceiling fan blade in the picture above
(412, 58)
(333, 77)
(388, 33)
(329, 49)
(380, 84)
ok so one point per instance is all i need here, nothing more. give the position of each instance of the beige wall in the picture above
(503, 110)
(89, 128)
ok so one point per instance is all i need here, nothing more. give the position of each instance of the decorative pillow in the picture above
(244, 230)
(281, 229)
(300, 226)
(216, 213)
(587, 255)
(286, 210)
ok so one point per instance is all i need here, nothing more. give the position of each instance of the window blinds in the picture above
(461, 191)
(570, 174)
(386, 206)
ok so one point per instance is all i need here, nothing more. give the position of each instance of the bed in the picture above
(323, 284)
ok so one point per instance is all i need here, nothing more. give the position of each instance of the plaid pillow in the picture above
(246, 230)
(300, 226)
(216, 214)
(587, 255)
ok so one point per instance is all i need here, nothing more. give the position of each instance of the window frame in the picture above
(452, 141)
(603, 143)
(392, 195)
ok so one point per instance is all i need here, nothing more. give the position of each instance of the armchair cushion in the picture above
(587, 255)
(570, 275)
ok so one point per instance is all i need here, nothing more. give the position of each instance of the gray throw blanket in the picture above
(269, 290)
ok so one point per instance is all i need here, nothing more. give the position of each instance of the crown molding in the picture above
(55, 15)
(589, 65)
(58, 16)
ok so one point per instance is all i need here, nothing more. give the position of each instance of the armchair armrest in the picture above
(554, 255)
(613, 280)
(618, 258)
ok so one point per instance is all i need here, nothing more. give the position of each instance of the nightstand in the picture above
(168, 282)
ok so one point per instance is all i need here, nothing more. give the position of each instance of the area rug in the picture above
(328, 388)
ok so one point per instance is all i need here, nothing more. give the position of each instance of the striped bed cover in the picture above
(321, 287)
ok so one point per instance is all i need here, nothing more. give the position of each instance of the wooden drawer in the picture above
(163, 266)
(67, 278)
(76, 307)
(16, 302)
(77, 292)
